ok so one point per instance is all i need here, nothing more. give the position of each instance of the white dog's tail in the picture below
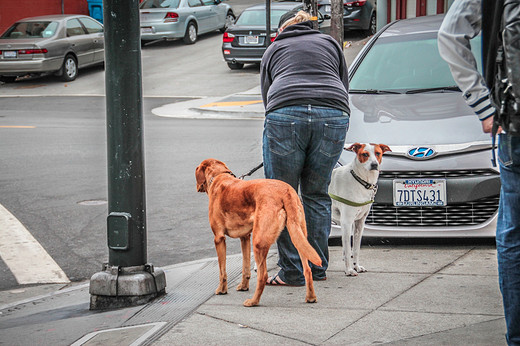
(298, 228)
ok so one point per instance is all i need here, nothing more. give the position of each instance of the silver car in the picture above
(186, 19)
(438, 181)
(59, 44)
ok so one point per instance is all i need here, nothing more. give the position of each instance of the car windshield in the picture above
(406, 65)
(160, 4)
(257, 17)
(31, 30)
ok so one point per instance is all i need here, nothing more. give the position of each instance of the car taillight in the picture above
(355, 3)
(32, 51)
(227, 37)
(273, 36)
(171, 17)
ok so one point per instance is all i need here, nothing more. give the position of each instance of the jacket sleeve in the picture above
(511, 36)
(461, 24)
(265, 77)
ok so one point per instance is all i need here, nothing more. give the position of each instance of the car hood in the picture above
(416, 119)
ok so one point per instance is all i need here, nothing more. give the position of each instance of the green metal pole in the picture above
(126, 183)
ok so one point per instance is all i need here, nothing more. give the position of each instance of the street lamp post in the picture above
(127, 279)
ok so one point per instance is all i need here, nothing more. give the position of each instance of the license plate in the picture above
(419, 192)
(9, 54)
(146, 30)
(251, 40)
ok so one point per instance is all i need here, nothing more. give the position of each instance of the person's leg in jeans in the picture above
(508, 234)
(283, 160)
(329, 128)
(290, 156)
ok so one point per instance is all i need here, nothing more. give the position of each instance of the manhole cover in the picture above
(93, 202)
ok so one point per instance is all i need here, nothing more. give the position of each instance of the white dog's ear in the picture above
(355, 147)
(384, 148)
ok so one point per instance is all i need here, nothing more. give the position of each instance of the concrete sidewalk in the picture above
(411, 295)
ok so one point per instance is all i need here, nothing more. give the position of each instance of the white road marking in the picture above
(25, 257)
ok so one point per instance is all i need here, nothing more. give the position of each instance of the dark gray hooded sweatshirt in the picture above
(303, 66)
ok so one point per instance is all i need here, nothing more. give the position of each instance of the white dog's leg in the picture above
(358, 233)
(346, 228)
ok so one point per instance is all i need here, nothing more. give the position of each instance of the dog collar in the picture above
(212, 178)
(347, 202)
(366, 184)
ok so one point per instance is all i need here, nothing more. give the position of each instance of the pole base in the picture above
(118, 287)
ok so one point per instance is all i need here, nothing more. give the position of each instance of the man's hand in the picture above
(487, 125)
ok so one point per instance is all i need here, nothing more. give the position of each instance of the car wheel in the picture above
(230, 19)
(69, 69)
(191, 34)
(372, 26)
(7, 79)
(235, 65)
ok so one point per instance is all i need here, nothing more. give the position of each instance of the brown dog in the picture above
(262, 207)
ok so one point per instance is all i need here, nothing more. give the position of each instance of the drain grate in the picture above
(185, 297)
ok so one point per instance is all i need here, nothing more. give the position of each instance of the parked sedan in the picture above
(186, 19)
(402, 94)
(245, 41)
(357, 15)
(59, 44)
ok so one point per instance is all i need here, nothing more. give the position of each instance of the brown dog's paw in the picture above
(311, 300)
(220, 292)
(250, 302)
(242, 287)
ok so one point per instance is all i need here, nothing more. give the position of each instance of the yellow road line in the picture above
(18, 127)
(228, 104)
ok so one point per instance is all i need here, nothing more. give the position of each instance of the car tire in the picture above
(8, 79)
(230, 19)
(190, 37)
(235, 65)
(69, 69)
(372, 25)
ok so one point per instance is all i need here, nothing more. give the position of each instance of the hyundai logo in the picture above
(421, 153)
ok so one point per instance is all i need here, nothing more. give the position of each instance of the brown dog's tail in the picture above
(298, 228)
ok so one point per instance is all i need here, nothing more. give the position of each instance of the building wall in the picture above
(12, 10)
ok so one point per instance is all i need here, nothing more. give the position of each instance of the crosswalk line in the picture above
(25, 257)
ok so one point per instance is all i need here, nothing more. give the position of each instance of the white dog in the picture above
(352, 189)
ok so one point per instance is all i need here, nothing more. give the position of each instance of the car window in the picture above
(74, 28)
(194, 3)
(397, 64)
(257, 17)
(160, 4)
(208, 2)
(91, 26)
(31, 30)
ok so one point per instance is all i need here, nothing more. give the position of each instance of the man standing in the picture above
(495, 98)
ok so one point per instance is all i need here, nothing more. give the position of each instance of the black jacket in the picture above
(303, 63)
(502, 19)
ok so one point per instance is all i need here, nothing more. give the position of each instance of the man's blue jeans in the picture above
(508, 233)
(301, 145)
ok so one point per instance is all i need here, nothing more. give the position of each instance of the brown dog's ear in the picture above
(200, 176)
(355, 147)
(384, 148)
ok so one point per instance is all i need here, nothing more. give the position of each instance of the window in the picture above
(74, 28)
(31, 30)
(208, 2)
(91, 26)
(398, 64)
(160, 4)
(194, 3)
